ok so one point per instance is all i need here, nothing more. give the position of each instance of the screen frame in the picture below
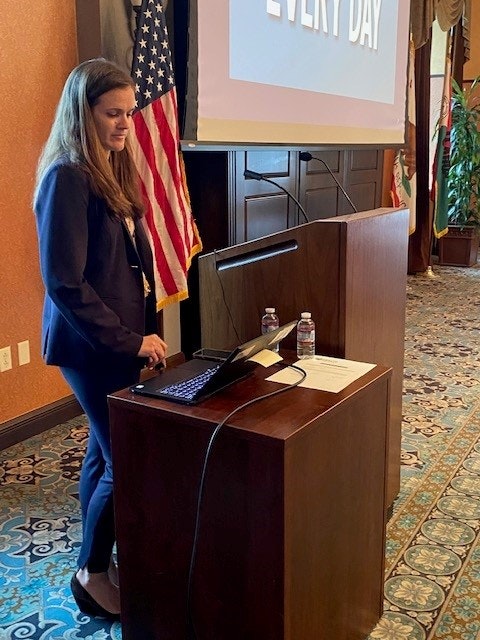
(189, 105)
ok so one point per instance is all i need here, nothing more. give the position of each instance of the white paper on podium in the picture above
(324, 373)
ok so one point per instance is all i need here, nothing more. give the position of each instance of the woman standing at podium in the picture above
(99, 320)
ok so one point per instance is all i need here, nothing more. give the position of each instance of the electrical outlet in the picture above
(23, 352)
(5, 359)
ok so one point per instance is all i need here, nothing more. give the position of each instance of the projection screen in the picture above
(297, 72)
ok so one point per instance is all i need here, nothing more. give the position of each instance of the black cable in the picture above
(259, 176)
(305, 156)
(191, 628)
(290, 195)
(225, 299)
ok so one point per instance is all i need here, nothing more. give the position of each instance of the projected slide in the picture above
(345, 45)
(298, 72)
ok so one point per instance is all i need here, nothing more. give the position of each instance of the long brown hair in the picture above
(74, 135)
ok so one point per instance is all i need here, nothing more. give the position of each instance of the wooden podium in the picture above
(349, 271)
(292, 526)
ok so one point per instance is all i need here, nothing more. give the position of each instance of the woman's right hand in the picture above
(154, 349)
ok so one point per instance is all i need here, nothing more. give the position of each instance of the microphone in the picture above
(259, 176)
(306, 157)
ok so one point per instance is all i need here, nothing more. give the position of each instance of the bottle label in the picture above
(306, 336)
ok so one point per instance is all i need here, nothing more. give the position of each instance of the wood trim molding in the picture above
(89, 36)
(38, 421)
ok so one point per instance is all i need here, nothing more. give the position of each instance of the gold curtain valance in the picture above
(447, 12)
(421, 19)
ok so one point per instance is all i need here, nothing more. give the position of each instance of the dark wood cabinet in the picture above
(358, 171)
(261, 207)
(250, 209)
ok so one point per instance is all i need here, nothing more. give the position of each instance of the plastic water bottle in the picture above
(270, 322)
(305, 336)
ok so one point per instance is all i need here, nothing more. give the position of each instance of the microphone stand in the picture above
(259, 176)
(305, 156)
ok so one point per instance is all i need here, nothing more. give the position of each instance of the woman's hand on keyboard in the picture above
(154, 349)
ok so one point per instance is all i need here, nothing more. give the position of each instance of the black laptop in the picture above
(195, 380)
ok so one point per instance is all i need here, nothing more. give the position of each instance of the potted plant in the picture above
(460, 245)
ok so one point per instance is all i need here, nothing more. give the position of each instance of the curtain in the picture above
(455, 15)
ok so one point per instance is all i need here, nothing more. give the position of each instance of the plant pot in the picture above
(459, 247)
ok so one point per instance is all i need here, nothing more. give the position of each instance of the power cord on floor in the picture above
(191, 633)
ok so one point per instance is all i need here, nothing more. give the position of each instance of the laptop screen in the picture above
(265, 341)
(196, 380)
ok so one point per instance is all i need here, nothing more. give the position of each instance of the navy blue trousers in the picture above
(91, 388)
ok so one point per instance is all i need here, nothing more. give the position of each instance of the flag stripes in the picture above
(155, 149)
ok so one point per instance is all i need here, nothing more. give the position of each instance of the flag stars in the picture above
(153, 68)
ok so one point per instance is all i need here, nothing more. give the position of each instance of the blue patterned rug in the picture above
(432, 587)
(40, 532)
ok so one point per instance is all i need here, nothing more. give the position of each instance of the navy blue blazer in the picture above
(95, 306)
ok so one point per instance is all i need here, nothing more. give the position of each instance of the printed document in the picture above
(324, 373)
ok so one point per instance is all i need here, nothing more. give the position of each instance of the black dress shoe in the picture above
(87, 604)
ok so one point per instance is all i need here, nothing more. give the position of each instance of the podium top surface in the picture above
(279, 417)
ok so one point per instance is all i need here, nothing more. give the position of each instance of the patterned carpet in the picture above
(432, 588)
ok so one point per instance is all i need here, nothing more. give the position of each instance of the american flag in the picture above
(155, 146)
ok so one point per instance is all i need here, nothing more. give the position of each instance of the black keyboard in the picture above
(188, 389)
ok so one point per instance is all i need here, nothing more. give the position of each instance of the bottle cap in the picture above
(270, 310)
(306, 314)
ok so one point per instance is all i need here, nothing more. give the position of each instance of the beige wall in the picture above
(37, 50)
